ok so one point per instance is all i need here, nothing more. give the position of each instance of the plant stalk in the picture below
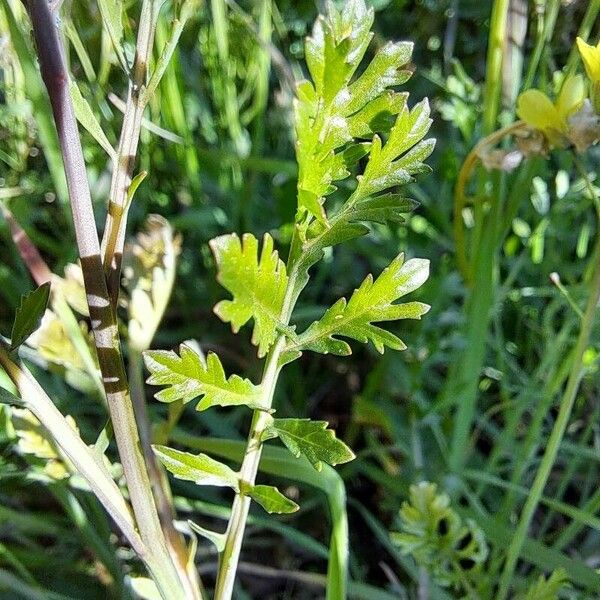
(113, 240)
(170, 578)
(239, 513)
(230, 556)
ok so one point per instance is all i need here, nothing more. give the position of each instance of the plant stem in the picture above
(543, 37)
(460, 197)
(169, 576)
(239, 513)
(493, 81)
(566, 405)
(241, 505)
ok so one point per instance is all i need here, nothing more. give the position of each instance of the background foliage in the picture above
(219, 154)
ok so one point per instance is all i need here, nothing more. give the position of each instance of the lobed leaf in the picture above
(257, 284)
(311, 439)
(371, 302)
(383, 72)
(199, 468)
(331, 112)
(188, 377)
(29, 314)
(383, 208)
(387, 167)
(548, 589)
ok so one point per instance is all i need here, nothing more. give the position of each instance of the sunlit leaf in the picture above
(395, 162)
(372, 302)
(257, 284)
(332, 111)
(187, 377)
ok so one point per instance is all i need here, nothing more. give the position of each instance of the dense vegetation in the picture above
(467, 463)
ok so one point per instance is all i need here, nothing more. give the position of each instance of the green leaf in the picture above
(270, 498)
(382, 73)
(337, 45)
(381, 209)
(371, 302)
(331, 111)
(387, 167)
(188, 377)
(311, 439)
(88, 120)
(378, 115)
(437, 538)
(199, 468)
(257, 284)
(29, 314)
(134, 185)
(9, 398)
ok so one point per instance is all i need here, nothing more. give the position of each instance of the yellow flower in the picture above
(591, 59)
(538, 111)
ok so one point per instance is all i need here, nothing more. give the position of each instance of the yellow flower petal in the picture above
(571, 97)
(590, 55)
(537, 110)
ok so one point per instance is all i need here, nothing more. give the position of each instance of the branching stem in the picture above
(113, 240)
(169, 575)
